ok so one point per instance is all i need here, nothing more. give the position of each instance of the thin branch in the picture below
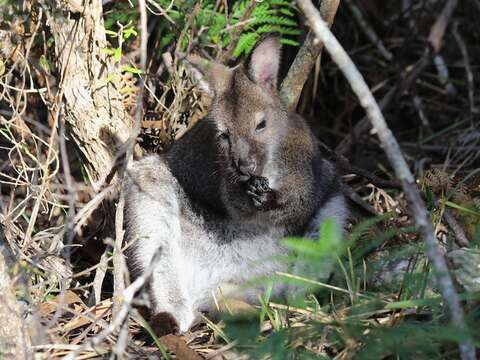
(119, 264)
(460, 236)
(368, 30)
(468, 69)
(392, 149)
(227, 55)
(95, 295)
(408, 77)
(127, 295)
(438, 29)
(309, 52)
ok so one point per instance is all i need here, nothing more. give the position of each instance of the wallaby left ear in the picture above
(212, 77)
(265, 62)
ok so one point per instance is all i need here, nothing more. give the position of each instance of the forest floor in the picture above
(58, 226)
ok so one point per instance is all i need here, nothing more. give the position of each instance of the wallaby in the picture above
(219, 201)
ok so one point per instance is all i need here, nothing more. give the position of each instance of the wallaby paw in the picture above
(263, 197)
(164, 323)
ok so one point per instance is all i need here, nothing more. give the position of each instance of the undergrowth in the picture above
(369, 295)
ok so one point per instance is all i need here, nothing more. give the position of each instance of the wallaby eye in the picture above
(261, 125)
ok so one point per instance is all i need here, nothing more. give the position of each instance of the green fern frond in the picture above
(269, 16)
(246, 43)
(286, 41)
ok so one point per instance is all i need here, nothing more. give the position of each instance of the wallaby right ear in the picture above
(212, 77)
(265, 62)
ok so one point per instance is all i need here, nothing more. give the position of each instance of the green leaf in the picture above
(245, 43)
(108, 79)
(128, 32)
(329, 244)
(117, 54)
(44, 63)
(289, 42)
(131, 69)
(110, 33)
(108, 51)
(462, 208)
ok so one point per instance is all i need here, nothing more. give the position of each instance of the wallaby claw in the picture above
(263, 197)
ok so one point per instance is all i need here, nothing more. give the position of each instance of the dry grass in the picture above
(58, 227)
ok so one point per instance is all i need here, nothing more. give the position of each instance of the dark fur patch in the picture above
(163, 323)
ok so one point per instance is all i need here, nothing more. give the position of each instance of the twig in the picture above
(309, 52)
(363, 125)
(468, 69)
(438, 60)
(227, 55)
(357, 199)
(26, 91)
(216, 353)
(117, 321)
(85, 212)
(392, 149)
(418, 104)
(95, 296)
(118, 350)
(119, 265)
(407, 77)
(444, 75)
(162, 12)
(368, 30)
(460, 236)
(346, 167)
(437, 31)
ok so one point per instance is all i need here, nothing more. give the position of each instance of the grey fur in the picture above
(215, 228)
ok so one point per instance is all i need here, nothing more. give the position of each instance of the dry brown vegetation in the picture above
(69, 103)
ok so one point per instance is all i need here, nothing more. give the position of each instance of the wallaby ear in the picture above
(212, 77)
(265, 62)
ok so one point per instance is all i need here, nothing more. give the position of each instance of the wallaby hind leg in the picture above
(334, 208)
(153, 225)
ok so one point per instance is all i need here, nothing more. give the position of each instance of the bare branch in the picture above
(227, 55)
(468, 69)
(408, 77)
(127, 295)
(392, 149)
(438, 29)
(309, 52)
(119, 265)
(368, 30)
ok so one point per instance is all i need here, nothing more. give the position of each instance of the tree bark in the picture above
(14, 337)
(90, 101)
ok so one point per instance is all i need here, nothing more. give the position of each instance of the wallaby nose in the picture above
(246, 167)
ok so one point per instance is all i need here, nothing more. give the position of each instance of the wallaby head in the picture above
(246, 109)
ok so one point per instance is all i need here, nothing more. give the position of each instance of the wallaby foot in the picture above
(176, 318)
(163, 324)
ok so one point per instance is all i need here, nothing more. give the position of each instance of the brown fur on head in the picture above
(247, 111)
